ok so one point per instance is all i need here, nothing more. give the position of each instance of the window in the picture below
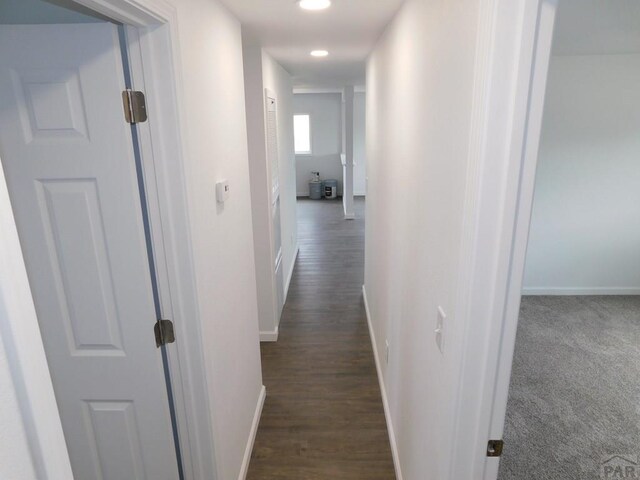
(302, 134)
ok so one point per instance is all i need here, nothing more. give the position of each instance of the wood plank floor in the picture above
(323, 417)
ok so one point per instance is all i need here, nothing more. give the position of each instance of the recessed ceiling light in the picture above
(314, 4)
(319, 53)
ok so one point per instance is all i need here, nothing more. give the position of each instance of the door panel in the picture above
(69, 162)
(71, 210)
(276, 226)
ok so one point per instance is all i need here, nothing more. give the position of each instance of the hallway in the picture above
(323, 417)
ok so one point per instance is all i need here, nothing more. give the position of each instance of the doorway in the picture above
(329, 134)
(573, 397)
(70, 167)
(580, 306)
(73, 169)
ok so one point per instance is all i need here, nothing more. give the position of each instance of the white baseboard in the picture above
(272, 335)
(383, 390)
(269, 336)
(290, 273)
(244, 468)
(349, 216)
(581, 291)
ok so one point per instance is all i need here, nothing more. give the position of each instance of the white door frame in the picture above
(509, 101)
(154, 54)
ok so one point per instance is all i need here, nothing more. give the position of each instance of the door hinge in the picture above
(164, 332)
(494, 448)
(135, 107)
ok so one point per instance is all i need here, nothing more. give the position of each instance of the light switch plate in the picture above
(439, 331)
(222, 191)
(386, 352)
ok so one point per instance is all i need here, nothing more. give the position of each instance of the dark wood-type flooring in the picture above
(323, 417)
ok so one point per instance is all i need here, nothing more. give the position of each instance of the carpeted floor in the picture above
(575, 387)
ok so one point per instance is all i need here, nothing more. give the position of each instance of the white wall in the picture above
(420, 79)
(359, 145)
(585, 228)
(213, 87)
(326, 138)
(263, 72)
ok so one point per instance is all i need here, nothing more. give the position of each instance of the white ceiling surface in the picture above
(586, 27)
(348, 30)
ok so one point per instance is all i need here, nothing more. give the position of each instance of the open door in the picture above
(68, 157)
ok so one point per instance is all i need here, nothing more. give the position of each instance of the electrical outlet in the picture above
(439, 331)
(386, 352)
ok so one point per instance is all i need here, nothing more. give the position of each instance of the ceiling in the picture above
(586, 27)
(348, 30)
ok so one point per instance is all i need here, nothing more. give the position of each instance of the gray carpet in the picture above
(575, 387)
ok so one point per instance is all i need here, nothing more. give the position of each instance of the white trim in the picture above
(290, 274)
(518, 34)
(385, 400)
(349, 216)
(165, 185)
(246, 460)
(269, 336)
(533, 291)
(519, 203)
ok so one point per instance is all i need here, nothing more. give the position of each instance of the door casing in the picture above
(508, 100)
(152, 45)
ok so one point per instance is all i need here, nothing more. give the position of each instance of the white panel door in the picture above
(68, 157)
(276, 225)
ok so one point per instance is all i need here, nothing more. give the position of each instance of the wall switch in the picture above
(439, 331)
(386, 352)
(222, 191)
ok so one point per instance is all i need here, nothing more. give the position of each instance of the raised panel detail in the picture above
(113, 431)
(50, 103)
(78, 248)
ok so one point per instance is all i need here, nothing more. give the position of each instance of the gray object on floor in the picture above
(315, 190)
(575, 388)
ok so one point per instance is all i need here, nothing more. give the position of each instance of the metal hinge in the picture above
(494, 448)
(135, 108)
(164, 332)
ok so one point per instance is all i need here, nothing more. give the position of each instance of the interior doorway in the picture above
(572, 408)
(329, 134)
(77, 173)
(70, 167)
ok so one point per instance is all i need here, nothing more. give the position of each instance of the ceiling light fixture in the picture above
(319, 53)
(314, 4)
